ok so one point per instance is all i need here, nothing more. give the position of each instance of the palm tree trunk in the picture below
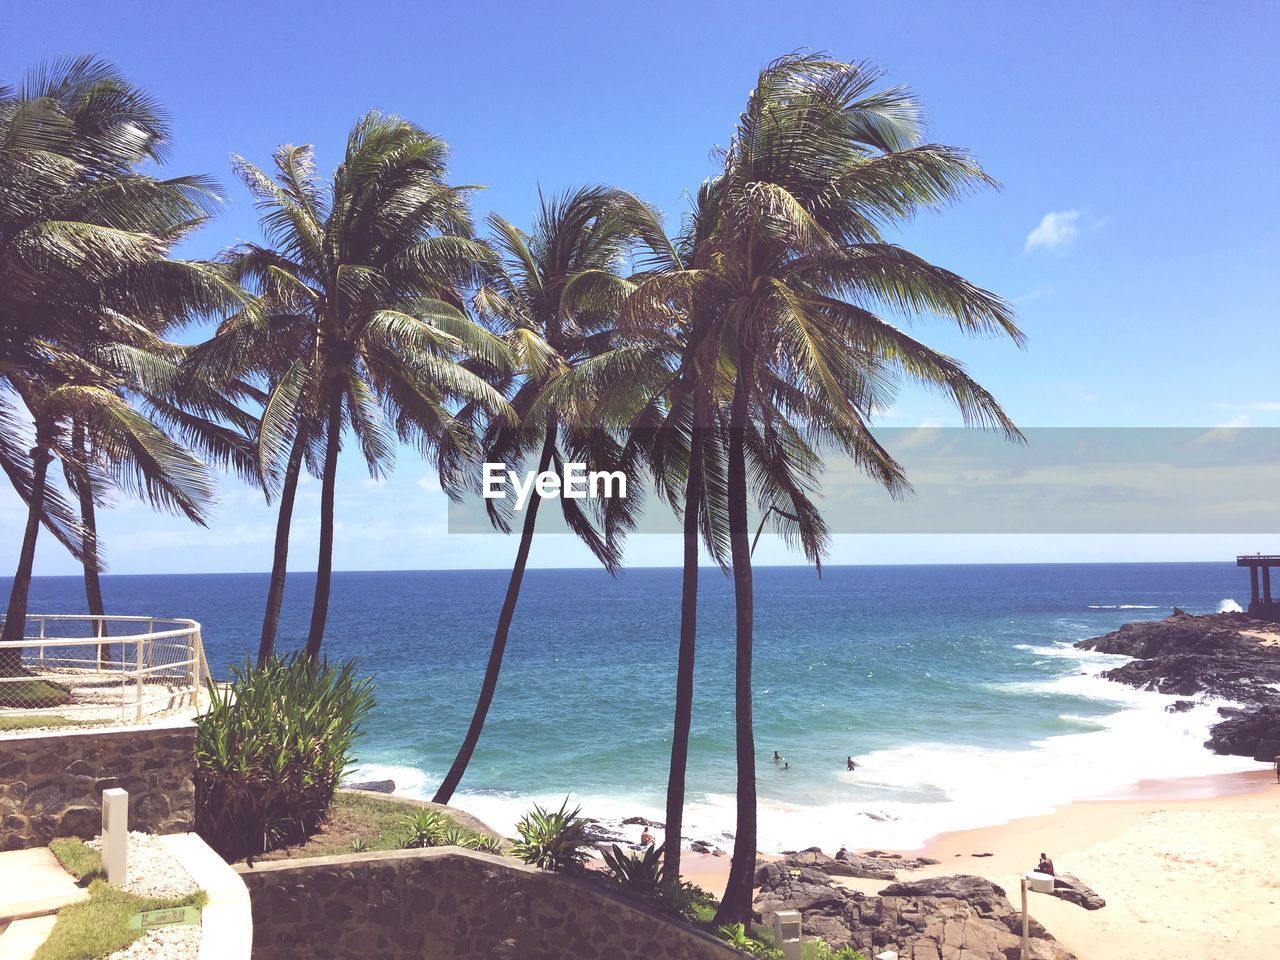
(684, 665)
(450, 783)
(280, 560)
(735, 906)
(324, 563)
(92, 583)
(15, 620)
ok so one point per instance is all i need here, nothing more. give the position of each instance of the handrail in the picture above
(55, 680)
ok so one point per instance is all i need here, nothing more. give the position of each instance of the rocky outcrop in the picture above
(941, 918)
(1212, 655)
(866, 866)
(1073, 890)
(373, 786)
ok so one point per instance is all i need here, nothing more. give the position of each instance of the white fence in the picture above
(82, 668)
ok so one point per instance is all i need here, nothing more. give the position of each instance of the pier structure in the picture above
(1262, 604)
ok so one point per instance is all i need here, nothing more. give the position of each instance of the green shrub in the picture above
(735, 934)
(641, 873)
(271, 750)
(426, 828)
(821, 950)
(487, 844)
(552, 841)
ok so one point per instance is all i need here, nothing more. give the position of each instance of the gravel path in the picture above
(164, 943)
(152, 870)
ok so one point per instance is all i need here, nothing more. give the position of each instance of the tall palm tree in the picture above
(557, 299)
(820, 162)
(84, 276)
(361, 305)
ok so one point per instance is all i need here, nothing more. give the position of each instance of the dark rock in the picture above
(1180, 706)
(375, 786)
(1071, 889)
(981, 855)
(958, 917)
(1244, 733)
(642, 822)
(854, 865)
(1186, 656)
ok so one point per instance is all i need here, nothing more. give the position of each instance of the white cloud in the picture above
(1055, 231)
(429, 482)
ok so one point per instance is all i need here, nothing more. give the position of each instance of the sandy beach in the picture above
(1189, 868)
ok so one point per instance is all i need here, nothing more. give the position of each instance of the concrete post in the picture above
(115, 835)
(786, 928)
(1025, 952)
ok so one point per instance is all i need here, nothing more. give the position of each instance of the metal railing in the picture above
(82, 668)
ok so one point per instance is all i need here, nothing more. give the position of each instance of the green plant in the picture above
(487, 844)
(426, 828)
(735, 934)
(358, 845)
(821, 950)
(455, 836)
(552, 841)
(270, 752)
(641, 873)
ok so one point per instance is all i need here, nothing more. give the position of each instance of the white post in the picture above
(138, 713)
(115, 835)
(1025, 953)
(786, 927)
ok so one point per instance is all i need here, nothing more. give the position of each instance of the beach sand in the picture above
(1190, 869)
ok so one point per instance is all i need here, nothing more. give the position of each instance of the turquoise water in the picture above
(953, 686)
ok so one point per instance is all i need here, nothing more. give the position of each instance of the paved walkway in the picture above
(33, 884)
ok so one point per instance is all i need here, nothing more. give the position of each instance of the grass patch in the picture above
(100, 926)
(77, 858)
(356, 822)
(9, 723)
(33, 694)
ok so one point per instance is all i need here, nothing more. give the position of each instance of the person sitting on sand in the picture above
(842, 854)
(1045, 865)
(850, 764)
(646, 838)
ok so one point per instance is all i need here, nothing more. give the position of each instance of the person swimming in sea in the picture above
(776, 756)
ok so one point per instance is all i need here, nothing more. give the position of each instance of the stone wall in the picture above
(447, 904)
(51, 783)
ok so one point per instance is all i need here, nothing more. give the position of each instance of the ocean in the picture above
(955, 688)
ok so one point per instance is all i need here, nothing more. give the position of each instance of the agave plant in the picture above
(428, 828)
(553, 841)
(641, 873)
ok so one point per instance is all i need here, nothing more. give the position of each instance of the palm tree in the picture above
(557, 299)
(196, 415)
(361, 306)
(821, 161)
(84, 277)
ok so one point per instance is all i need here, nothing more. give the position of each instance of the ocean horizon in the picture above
(956, 688)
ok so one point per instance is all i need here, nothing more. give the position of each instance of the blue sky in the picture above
(1136, 231)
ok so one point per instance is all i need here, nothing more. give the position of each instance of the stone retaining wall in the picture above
(51, 783)
(447, 904)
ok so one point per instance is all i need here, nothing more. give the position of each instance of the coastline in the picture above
(1189, 867)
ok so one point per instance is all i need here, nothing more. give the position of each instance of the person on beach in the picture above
(646, 838)
(1045, 865)
(842, 854)
(850, 764)
(1278, 768)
